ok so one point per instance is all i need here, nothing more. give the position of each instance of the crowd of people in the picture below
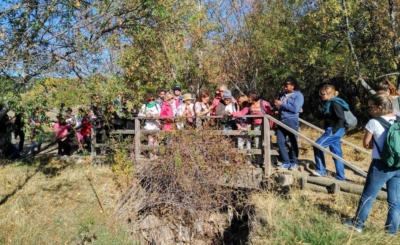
(176, 111)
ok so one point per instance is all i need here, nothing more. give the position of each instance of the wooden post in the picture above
(137, 139)
(267, 147)
(93, 143)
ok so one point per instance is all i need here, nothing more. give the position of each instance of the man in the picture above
(289, 106)
(178, 99)
(177, 95)
(161, 94)
(218, 98)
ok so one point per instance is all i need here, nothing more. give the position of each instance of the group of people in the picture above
(162, 113)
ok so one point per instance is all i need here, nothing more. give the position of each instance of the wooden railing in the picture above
(265, 135)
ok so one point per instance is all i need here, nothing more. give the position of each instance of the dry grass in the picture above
(313, 218)
(53, 202)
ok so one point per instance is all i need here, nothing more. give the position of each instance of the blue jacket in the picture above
(291, 106)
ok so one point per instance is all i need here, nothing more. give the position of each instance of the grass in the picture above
(52, 202)
(313, 218)
(48, 201)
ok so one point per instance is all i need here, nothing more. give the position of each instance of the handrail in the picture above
(346, 163)
(342, 140)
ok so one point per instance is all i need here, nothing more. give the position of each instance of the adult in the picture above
(149, 110)
(186, 110)
(161, 94)
(202, 108)
(227, 105)
(256, 106)
(19, 131)
(167, 111)
(387, 87)
(177, 96)
(289, 106)
(379, 173)
(333, 111)
(36, 133)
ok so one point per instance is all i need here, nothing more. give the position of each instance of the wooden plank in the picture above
(93, 144)
(267, 148)
(137, 139)
(259, 151)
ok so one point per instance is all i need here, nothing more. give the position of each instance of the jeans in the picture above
(333, 141)
(378, 175)
(281, 134)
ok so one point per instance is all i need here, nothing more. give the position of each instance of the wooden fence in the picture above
(265, 135)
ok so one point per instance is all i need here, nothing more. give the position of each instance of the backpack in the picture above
(391, 146)
(350, 119)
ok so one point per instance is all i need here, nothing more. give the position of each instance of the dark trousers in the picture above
(64, 148)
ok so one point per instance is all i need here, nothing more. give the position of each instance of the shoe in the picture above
(248, 162)
(293, 166)
(316, 174)
(284, 166)
(350, 224)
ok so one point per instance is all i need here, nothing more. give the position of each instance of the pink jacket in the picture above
(62, 130)
(256, 120)
(167, 111)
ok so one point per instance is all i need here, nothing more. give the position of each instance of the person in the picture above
(36, 134)
(149, 110)
(85, 132)
(217, 99)
(289, 106)
(161, 94)
(62, 128)
(256, 106)
(177, 96)
(387, 87)
(8, 150)
(202, 108)
(333, 111)
(186, 110)
(167, 111)
(19, 127)
(380, 105)
(225, 106)
(244, 124)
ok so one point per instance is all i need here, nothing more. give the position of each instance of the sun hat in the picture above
(227, 94)
(187, 97)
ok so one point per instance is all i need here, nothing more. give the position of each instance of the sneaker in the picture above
(293, 166)
(284, 166)
(316, 174)
(350, 224)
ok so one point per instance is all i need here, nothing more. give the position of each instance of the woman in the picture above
(186, 110)
(379, 173)
(167, 111)
(36, 134)
(289, 105)
(223, 107)
(333, 110)
(256, 106)
(149, 110)
(202, 108)
(387, 87)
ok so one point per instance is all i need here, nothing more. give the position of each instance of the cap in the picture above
(227, 94)
(177, 87)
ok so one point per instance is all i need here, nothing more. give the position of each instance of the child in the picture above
(62, 128)
(244, 124)
(85, 132)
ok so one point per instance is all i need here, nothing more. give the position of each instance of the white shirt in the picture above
(200, 107)
(379, 133)
(150, 124)
(181, 109)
